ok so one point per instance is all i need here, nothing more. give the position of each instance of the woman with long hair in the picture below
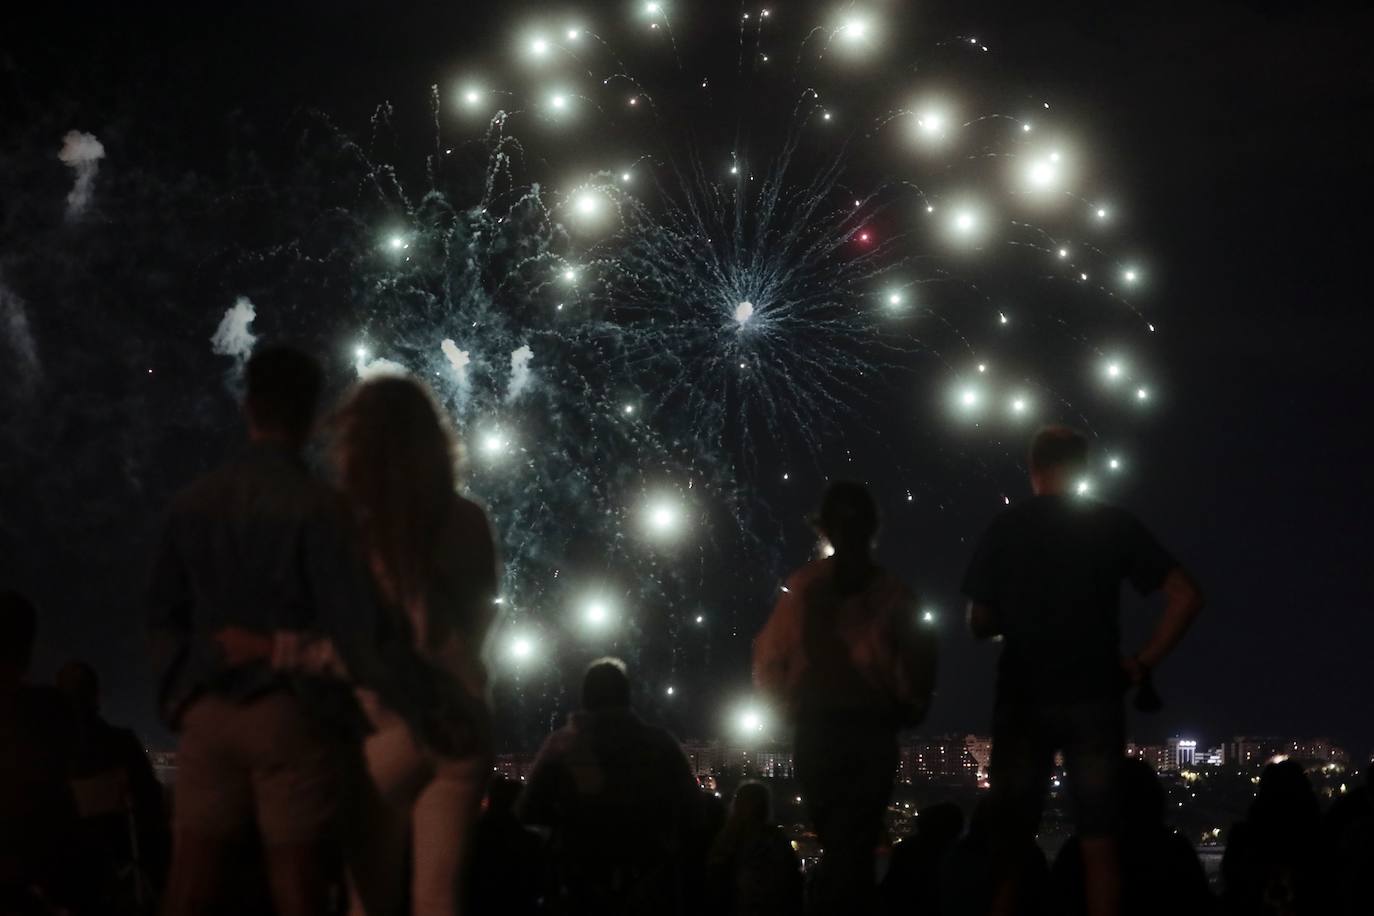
(434, 562)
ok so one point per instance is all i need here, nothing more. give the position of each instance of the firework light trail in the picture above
(637, 289)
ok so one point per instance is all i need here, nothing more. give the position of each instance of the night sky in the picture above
(1236, 138)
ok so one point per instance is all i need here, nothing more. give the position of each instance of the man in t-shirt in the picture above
(1046, 579)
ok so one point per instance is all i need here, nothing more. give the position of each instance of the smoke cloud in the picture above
(375, 368)
(458, 359)
(232, 337)
(519, 371)
(18, 336)
(82, 154)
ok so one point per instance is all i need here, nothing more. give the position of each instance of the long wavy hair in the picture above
(396, 455)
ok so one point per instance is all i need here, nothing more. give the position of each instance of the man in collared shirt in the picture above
(262, 546)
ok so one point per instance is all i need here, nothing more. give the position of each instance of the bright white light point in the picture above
(931, 123)
(827, 550)
(652, 7)
(826, 116)
(1043, 174)
(587, 204)
(361, 353)
(472, 96)
(1025, 128)
(559, 101)
(1018, 405)
(700, 619)
(854, 29)
(1082, 276)
(1002, 317)
(572, 34)
(1063, 252)
(669, 691)
(1083, 487)
(968, 397)
(597, 613)
(895, 299)
(928, 617)
(734, 170)
(1141, 394)
(396, 242)
(1114, 464)
(1101, 212)
(634, 101)
(521, 648)
(1129, 276)
(858, 203)
(1113, 370)
(569, 275)
(662, 518)
(629, 409)
(539, 46)
(964, 221)
(743, 312)
(786, 476)
(493, 443)
(624, 176)
(982, 367)
(750, 721)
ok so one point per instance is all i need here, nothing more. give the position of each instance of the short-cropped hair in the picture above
(283, 389)
(1058, 447)
(847, 506)
(606, 685)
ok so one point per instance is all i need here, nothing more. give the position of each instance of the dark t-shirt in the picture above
(1051, 569)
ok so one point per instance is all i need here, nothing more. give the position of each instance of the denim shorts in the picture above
(1025, 737)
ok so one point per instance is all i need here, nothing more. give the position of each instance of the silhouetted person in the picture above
(846, 655)
(1046, 578)
(752, 867)
(619, 796)
(120, 841)
(912, 884)
(1160, 869)
(1349, 829)
(508, 868)
(36, 746)
(260, 545)
(434, 561)
(1277, 858)
(968, 873)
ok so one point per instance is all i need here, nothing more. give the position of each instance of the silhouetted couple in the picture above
(845, 654)
(321, 650)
